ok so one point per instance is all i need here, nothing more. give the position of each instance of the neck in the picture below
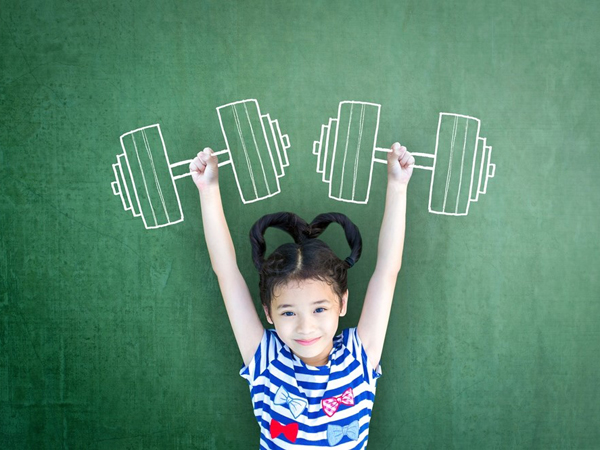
(315, 362)
(319, 360)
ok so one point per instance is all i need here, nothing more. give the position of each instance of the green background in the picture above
(116, 337)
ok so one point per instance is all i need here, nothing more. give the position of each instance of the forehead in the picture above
(303, 290)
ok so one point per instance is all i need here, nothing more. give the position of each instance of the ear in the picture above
(267, 315)
(344, 303)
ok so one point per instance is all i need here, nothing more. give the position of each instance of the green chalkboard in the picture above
(113, 334)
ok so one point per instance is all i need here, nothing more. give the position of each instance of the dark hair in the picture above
(306, 258)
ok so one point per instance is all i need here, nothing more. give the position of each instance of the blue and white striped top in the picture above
(299, 406)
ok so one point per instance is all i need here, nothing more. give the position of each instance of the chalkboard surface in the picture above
(113, 334)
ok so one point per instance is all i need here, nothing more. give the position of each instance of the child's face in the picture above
(306, 316)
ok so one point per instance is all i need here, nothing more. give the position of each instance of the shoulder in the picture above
(273, 339)
(348, 337)
(351, 342)
(271, 343)
(271, 348)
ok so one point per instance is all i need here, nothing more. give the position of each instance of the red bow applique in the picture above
(290, 431)
(331, 405)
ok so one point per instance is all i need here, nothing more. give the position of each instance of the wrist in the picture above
(397, 186)
(209, 190)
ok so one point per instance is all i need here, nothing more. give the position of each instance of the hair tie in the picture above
(305, 234)
(350, 261)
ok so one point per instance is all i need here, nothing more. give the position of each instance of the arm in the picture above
(373, 322)
(247, 328)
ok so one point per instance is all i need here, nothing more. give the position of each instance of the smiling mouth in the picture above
(308, 342)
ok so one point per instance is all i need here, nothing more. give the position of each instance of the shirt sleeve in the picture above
(266, 352)
(356, 348)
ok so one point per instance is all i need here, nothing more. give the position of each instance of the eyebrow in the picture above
(319, 302)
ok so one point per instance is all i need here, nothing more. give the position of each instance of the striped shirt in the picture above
(298, 406)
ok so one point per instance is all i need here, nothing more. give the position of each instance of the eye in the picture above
(318, 310)
(287, 313)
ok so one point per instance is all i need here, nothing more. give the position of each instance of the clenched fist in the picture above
(204, 169)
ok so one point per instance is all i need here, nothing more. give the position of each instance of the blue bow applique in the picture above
(335, 433)
(294, 403)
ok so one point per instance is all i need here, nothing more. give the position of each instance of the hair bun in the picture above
(322, 221)
(300, 231)
(289, 222)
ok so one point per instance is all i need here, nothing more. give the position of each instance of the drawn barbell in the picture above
(145, 179)
(347, 150)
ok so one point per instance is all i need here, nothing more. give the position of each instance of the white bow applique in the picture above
(295, 404)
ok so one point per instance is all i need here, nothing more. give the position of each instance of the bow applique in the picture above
(294, 403)
(331, 405)
(335, 433)
(290, 431)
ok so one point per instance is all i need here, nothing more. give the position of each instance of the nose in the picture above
(305, 325)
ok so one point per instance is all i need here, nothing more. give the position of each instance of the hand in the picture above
(204, 169)
(400, 164)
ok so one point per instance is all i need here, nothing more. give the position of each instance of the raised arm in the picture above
(247, 328)
(375, 315)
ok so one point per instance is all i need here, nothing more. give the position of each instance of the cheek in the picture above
(330, 319)
(284, 323)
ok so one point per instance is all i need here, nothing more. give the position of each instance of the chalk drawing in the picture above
(460, 165)
(145, 179)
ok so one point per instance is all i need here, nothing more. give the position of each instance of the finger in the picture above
(401, 153)
(405, 158)
(209, 158)
(394, 153)
(202, 159)
(204, 155)
(196, 165)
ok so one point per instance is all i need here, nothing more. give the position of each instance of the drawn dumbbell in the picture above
(347, 151)
(145, 179)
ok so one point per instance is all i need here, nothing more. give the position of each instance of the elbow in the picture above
(226, 272)
(388, 271)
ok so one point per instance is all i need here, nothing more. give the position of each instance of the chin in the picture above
(311, 351)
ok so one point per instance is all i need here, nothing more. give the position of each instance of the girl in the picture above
(309, 387)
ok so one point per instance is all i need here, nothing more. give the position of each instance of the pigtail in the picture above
(292, 224)
(322, 221)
